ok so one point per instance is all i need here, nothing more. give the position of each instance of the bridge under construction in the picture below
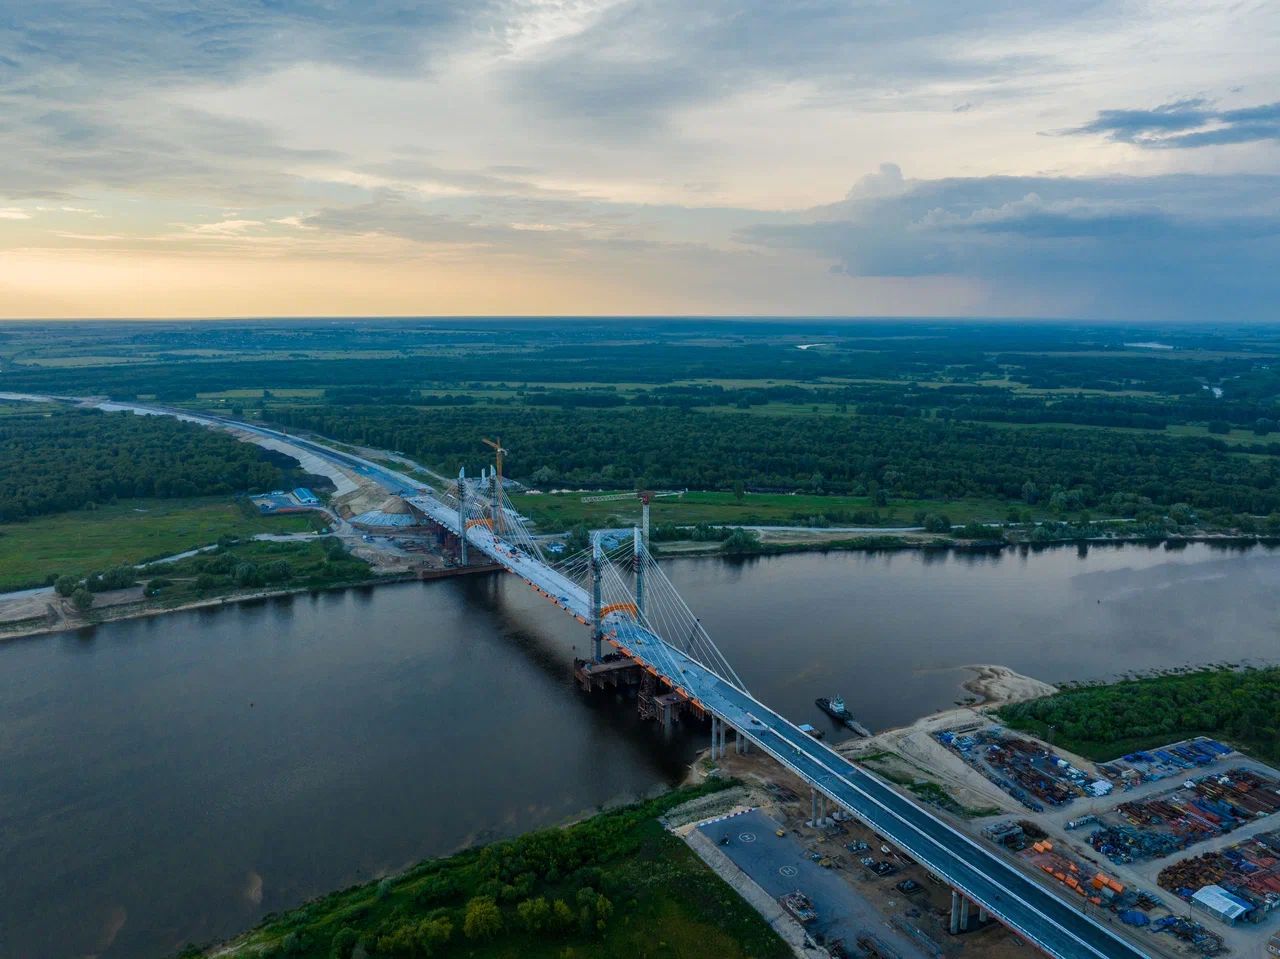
(639, 623)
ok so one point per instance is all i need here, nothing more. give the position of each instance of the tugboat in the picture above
(836, 709)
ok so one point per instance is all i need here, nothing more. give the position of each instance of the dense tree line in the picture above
(1243, 706)
(1039, 355)
(610, 885)
(905, 458)
(76, 458)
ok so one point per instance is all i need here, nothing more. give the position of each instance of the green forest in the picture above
(904, 458)
(1103, 722)
(1058, 418)
(73, 459)
(617, 884)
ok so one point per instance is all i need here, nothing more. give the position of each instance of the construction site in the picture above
(1121, 836)
(1104, 836)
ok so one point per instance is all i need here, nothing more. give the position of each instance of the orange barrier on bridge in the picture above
(619, 608)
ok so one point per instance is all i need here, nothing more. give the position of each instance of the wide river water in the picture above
(172, 779)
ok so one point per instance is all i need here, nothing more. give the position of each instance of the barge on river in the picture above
(836, 709)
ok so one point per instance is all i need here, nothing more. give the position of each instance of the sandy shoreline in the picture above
(913, 752)
(999, 685)
(69, 625)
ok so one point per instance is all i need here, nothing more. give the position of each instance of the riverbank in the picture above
(65, 619)
(616, 884)
(815, 541)
(33, 612)
(911, 755)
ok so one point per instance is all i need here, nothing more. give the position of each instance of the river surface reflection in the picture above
(173, 779)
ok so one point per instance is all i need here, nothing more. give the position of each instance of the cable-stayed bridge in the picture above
(623, 596)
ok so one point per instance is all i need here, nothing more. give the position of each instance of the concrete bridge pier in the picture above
(820, 808)
(961, 913)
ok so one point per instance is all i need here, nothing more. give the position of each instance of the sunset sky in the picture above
(999, 157)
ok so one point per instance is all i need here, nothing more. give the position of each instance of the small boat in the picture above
(810, 731)
(836, 709)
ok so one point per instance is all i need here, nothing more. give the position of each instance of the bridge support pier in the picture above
(964, 913)
(819, 815)
(982, 915)
(955, 913)
(718, 727)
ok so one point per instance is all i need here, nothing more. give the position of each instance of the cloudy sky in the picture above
(318, 157)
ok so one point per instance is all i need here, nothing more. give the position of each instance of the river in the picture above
(172, 779)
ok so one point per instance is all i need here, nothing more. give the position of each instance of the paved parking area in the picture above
(780, 865)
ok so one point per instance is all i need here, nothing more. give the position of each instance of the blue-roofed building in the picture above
(306, 497)
(1220, 903)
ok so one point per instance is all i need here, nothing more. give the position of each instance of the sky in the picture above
(1020, 158)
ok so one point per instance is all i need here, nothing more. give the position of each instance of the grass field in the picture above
(309, 567)
(83, 542)
(1237, 437)
(560, 511)
(661, 902)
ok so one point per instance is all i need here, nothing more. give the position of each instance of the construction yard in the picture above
(858, 895)
(1115, 834)
(1197, 815)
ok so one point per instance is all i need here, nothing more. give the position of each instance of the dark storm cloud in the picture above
(1186, 124)
(1173, 246)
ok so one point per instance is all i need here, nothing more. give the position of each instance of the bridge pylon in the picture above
(640, 545)
(597, 617)
(496, 475)
(462, 515)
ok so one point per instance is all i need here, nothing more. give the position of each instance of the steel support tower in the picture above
(462, 515)
(597, 618)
